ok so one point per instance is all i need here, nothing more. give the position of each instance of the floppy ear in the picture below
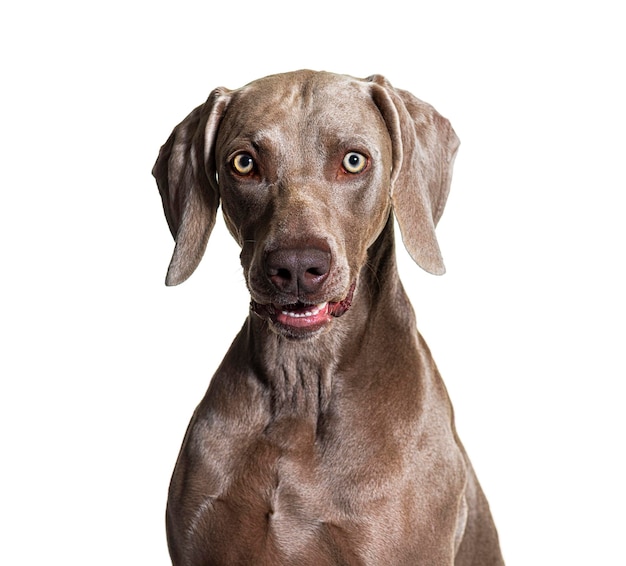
(424, 146)
(185, 175)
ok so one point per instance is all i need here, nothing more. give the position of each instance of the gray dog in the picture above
(326, 436)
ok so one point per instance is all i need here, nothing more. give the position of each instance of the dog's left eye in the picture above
(243, 164)
(354, 162)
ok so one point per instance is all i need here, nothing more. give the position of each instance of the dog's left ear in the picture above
(424, 146)
(185, 175)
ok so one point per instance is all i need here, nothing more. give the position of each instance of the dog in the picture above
(326, 436)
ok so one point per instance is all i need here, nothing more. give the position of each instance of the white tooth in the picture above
(313, 312)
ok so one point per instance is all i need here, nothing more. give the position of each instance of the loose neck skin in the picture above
(302, 374)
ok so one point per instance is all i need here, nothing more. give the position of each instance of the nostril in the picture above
(316, 271)
(280, 273)
(316, 267)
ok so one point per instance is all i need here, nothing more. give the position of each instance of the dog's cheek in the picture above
(246, 257)
(375, 205)
(241, 211)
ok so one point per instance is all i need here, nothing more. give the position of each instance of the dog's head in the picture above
(307, 167)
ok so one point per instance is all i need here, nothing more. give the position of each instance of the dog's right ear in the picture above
(185, 175)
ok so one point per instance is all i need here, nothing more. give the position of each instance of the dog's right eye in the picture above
(243, 164)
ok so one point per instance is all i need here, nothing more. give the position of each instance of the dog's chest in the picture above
(292, 495)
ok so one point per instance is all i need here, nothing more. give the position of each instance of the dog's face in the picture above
(304, 176)
(307, 167)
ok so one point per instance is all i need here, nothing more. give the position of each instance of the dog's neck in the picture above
(302, 375)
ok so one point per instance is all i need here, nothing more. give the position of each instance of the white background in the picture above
(102, 365)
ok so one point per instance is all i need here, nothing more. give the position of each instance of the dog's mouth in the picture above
(301, 319)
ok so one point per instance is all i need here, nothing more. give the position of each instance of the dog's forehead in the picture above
(302, 100)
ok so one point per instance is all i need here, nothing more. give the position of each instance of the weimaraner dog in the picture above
(326, 436)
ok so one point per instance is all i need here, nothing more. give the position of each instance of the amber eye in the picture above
(354, 162)
(243, 164)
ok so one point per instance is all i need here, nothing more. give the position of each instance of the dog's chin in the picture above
(301, 320)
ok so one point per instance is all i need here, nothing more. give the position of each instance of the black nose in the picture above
(297, 270)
